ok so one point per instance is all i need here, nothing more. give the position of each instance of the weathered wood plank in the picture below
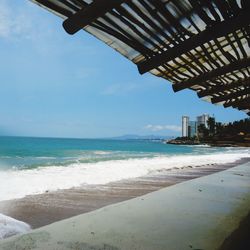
(212, 74)
(221, 29)
(89, 14)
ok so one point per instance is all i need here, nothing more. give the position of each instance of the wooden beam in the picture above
(220, 88)
(231, 96)
(212, 74)
(210, 33)
(243, 107)
(238, 102)
(89, 14)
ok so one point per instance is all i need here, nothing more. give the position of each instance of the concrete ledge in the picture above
(197, 214)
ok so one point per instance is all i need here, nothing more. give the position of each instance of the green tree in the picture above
(211, 125)
(203, 131)
(218, 128)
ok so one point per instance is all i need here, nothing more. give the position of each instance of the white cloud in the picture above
(13, 23)
(25, 22)
(156, 128)
(5, 22)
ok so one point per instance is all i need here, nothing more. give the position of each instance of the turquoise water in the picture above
(27, 152)
(37, 165)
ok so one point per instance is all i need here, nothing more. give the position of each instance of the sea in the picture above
(36, 165)
(30, 166)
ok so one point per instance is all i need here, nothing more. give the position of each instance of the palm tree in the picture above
(211, 125)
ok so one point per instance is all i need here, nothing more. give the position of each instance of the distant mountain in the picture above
(142, 137)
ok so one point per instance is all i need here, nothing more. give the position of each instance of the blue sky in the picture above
(57, 85)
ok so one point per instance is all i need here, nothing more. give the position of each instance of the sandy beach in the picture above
(200, 213)
(43, 209)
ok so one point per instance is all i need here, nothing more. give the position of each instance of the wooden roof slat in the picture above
(245, 102)
(221, 88)
(243, 107)
(156, 27)
(182, 31)
(134, 21)
(233, 95)
(242, 50)
(221, 29)
(136, 30)
(212, 74)
(234, 6)
(198, 7)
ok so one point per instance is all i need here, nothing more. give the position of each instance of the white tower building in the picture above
(185, 122)
(202, 120)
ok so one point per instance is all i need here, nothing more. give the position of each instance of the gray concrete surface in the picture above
(197, 214)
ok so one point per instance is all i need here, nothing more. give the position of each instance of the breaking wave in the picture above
(19, 183)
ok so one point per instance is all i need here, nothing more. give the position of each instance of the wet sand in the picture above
(43, 209)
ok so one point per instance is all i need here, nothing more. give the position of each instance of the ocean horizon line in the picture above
(94, 138)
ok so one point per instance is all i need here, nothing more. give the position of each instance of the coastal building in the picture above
(192, 129)
(185, 123)
(202, 119)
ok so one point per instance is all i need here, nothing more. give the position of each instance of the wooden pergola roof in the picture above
(203, 45)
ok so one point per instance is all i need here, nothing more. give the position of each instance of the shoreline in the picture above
(209, 143)
(43, 209)
(203, 211)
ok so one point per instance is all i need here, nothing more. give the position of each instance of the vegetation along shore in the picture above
(217, 134)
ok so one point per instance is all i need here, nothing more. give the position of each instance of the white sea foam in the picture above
(100, 152)
(10, 227)
(19, 183)
(199, 146)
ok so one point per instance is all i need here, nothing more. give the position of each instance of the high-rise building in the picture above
(192, 129)
(185, 122)
(202, 119)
